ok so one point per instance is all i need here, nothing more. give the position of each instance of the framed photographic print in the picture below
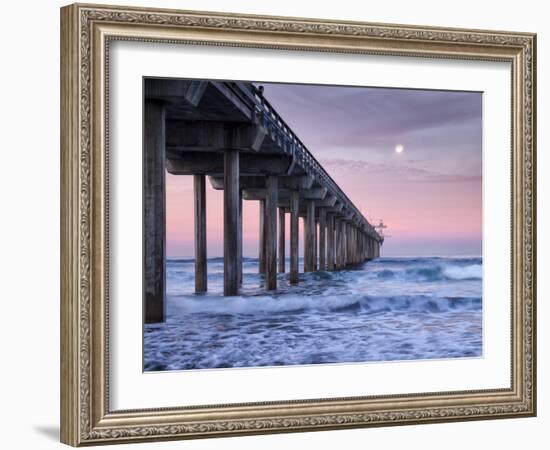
(276, 224)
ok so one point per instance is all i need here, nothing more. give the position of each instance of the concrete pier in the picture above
(294, 235)
(231, 223)
(229, 133)
(199, 187)
(331, 262)
(271, 233)
(282, 241)
(322, 239)
(261, 238)
(154, 211)
(309, 237)
(240, 240)
(315, 247)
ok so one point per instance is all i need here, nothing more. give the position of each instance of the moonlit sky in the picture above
(429, 195)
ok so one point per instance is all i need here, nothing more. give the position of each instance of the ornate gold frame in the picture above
(86, 31)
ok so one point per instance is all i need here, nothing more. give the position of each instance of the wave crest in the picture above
(470, 272)
(444, 272)
(298, 304)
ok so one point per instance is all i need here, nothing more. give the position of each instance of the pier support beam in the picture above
(199, 188)
(271, 232)
(360, 246)
(315, 247)
(231, 223)
(240, 241)
(371, 248)
(281, 240)
(322, 239)
(305, 256)
(294, 208)
(339, 241)
(353, 245)
(154, 260)
(357, 245)
(309, 231)
(261, 239)
(330, 243)
(336, 243)
(345, 227)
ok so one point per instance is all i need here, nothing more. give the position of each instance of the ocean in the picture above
(388, 309)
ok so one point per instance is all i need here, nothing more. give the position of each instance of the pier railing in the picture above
(292, 145)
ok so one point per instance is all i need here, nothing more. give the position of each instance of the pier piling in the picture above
(199, 188)
(281, 240)
(309, 231)
(261, 239)
(240, 240)
(330, 243)
(228, 132)
(154, 212)
(231, 223)
(294, 235)
(315, 247)
(271, 232)
(322, 238)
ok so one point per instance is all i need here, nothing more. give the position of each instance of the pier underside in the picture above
(228, 133)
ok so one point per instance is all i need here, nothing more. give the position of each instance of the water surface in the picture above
(384, 310)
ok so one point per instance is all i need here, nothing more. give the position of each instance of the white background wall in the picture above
(29, 237)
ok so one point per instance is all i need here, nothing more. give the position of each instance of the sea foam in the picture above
(389, 309)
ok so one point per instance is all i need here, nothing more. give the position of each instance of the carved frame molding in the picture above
(86, 31)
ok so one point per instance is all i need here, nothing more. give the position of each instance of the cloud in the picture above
(443, 128)
(405, 174)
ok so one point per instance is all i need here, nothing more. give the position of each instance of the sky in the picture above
(429, 195)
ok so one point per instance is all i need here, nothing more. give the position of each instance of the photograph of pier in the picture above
(293, 224)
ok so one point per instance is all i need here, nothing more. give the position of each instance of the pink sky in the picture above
(429, 195)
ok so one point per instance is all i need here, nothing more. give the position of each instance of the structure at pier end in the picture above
(228, 132)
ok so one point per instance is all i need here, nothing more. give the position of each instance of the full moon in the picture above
(399, 148)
